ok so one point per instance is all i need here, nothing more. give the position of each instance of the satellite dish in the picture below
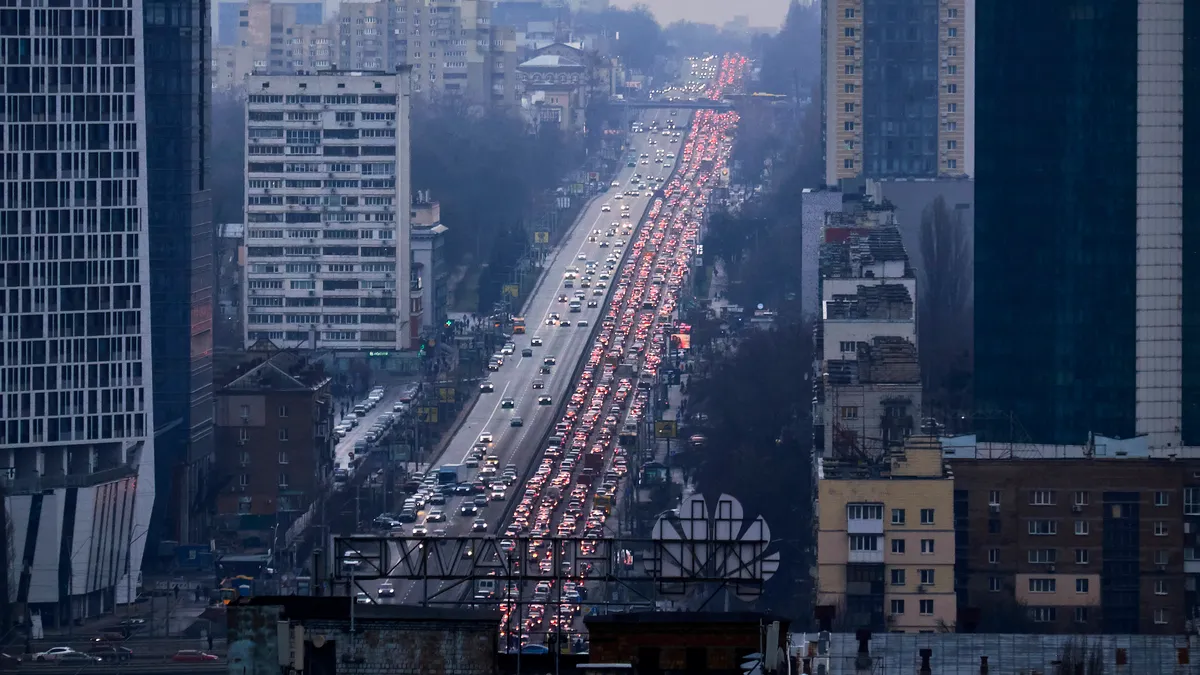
(318, 641)
(760, 305)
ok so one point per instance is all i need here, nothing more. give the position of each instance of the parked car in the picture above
(193, 656)
(111, 653)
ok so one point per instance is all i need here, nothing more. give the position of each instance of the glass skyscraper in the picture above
(1086, 222)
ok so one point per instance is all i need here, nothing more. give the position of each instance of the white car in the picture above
(606, 208)
(53, 654)
(387, 590)
(486, 437)
(362, 598)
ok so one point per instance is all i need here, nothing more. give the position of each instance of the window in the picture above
(952, 88)
(864, 542)
(1040, 585)
(927, 577)
(283, 434)
(847, 346)
(283, 457)
(849, 107)
(951, 70)
(1081, 498)
(850, 15)
(926, 516)
(1043, 527)
(1160, 529)
(926, 607)
(243, 435)
(1081, 556)
(244, 412)
(993, 556)
(1043, 556)
(994, 585)
(1160, 616)
(926, 546)
(244, 460)
(951, 107)
(244, 479)
(849, 69)
(244, 506)
(849, 412)
(897, 516)
(1160, 587)
(849, 32)
(849, 164)
(1081, 614)
(952, 12)
(898, 577)
(952, 32)
(952, 163)
(848, 125)
(1081, 527)
(1042, 498)
(898, 546)
(1161, 498)
(897, 606)
(994, 498)
(283, 480)
(864, 512)
(1191, 501)
(283, 411)
(993, 526)
(1162, 558)
(1081, 585)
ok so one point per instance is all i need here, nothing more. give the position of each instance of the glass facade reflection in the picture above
(178, 90)
(1056, 237)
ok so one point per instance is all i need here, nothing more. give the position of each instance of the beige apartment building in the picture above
(885, 540)
(897, 85)
(271, 38)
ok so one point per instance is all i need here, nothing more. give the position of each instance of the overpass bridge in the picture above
(681, 105)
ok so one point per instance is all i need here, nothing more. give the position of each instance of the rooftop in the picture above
(283, 371)
(848, 250)
(550, 61)
(884, 360)
(299, 607)
(879, 302)
(921, 458)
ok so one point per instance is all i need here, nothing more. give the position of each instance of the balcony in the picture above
(864, 525)
(865, 557)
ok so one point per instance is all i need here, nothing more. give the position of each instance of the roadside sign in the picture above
(593, 176)
(446, 394)
(665, 429)
(429, 414)
(401, 452)
(564, 202)
(541, 237)
(511, 289)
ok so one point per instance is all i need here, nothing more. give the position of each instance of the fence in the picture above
(959, 654)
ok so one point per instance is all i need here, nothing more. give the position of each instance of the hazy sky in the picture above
(761, 12)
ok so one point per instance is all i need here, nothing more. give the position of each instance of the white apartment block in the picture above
(327, 212)
(76, 418)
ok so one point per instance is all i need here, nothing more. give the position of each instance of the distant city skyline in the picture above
(762, 13)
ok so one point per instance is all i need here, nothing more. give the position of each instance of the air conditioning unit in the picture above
(922, 589)
(1076, 508)
(994, 508)
(1162, 568)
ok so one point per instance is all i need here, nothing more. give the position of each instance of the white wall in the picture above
(837, 332)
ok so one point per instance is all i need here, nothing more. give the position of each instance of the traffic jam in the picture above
(572, 491)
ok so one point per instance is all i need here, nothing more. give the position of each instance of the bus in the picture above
(518, 325)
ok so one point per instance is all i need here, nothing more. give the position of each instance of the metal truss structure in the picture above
(650, 569)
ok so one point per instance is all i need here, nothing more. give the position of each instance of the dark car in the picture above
(111, 653)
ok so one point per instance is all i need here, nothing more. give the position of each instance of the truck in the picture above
(449, 474)
(518, 325)
(593, 459)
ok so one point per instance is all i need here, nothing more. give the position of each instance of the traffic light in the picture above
(424, 344)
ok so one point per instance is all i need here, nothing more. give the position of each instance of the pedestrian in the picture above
(210, 641)
(176, 590)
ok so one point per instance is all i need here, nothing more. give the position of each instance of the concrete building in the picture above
(274, 449)
(429, 264)
(1117, 353)
(328, 635)
(232, 17)
(554, 90)
(693, 642)
(868, 311)
(885, 540)
(814, 205)
(1104, 542)
(897, 79)
(79, 314)
(282, 38)
(327, 217)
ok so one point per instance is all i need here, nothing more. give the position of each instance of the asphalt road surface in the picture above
(522, 445)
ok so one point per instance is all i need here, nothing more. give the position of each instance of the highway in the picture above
(514, 380)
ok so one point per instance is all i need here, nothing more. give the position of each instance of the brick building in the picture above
(1099, 543)
(697, 643)
(323, 637)
(274, 449)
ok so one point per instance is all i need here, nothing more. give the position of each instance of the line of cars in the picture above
(110, 653)
(572, 489)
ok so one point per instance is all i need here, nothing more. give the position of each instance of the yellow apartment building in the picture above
(885, 540)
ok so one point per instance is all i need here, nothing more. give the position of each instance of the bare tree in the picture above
(945, 312)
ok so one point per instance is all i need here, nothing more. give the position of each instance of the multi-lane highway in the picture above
(587, 241)
(559, 491)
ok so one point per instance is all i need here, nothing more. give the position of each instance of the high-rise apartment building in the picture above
(178, 103)
(79, 248)
(233, 17)
(327, 211)
(1087, 278)
(896, 80)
